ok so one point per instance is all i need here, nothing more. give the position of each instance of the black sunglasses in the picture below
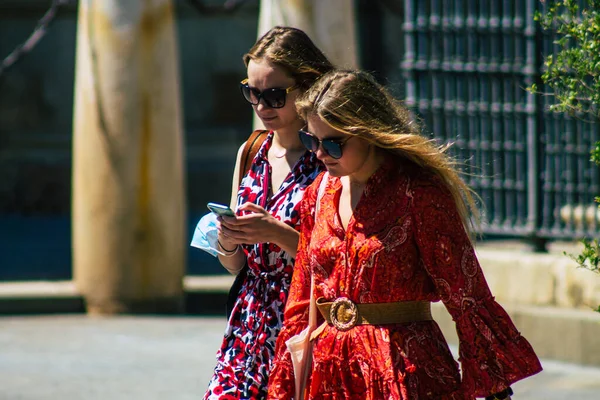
(333, 147)
(273, 98)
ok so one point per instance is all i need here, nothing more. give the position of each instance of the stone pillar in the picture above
(128, 176)
(329, 23)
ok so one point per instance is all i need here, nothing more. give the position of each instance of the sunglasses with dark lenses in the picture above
(333, 147)
(273, 98)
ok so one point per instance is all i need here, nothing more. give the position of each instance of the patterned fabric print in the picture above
(413, 247)
(244, 359)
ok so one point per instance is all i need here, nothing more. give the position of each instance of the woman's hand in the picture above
(257, 227)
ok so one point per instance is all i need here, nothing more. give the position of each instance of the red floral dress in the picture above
(404, 242)
(246, 353)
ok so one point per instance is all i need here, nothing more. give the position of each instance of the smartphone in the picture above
(220, 209)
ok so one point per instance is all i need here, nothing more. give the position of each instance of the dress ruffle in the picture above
(493, 354)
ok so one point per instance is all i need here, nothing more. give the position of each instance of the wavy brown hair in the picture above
(352, 102)
(292, 50)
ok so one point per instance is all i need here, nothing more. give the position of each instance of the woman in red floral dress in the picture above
(282, 64)
(389, 237)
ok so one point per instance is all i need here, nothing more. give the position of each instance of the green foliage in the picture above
(573, 74)
(596, 155)
(589, 258)
(573, 71)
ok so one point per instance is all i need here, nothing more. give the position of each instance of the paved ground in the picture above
(75, 357)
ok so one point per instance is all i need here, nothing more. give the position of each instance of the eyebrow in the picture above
(305, 129)
(283, 87)
(332, 138)
(271, 87)
(335, 138)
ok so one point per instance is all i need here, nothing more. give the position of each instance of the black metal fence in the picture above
(466, 66)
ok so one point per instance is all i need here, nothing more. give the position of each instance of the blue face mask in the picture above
(205, 235)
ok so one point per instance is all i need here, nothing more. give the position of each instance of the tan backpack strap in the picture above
(256, 139)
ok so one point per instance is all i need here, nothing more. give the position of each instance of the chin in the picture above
(333, 171)
(271, 124)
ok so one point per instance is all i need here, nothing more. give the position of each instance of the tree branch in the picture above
(38, 33)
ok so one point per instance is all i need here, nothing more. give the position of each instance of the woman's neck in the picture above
(375, 158)
(287, 138)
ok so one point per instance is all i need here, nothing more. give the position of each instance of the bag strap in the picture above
(312, 310)
(321, 192)
(253, 144)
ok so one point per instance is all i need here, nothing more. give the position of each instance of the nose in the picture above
(261, 105)
(320, 153)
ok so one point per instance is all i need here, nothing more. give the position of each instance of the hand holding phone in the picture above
(220, 209)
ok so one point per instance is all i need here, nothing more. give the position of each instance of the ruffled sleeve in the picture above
(281, 378)
(493, 354)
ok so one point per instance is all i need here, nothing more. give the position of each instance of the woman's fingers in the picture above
(257, 226)
(242, 221)
(235, 236)
(255, 208)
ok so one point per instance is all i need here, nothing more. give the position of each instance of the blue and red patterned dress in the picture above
(245, 357)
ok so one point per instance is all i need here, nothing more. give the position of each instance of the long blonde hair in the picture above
(352, 102)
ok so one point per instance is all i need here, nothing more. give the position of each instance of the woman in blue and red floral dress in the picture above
(281, 65)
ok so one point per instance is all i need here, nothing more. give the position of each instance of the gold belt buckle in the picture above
(343, 313)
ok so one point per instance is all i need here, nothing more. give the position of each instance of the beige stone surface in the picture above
(518, 276)
(548, 279)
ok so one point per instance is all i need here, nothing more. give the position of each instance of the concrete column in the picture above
(128, 177)
(329, 23)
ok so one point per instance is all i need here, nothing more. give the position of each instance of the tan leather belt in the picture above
(345, 314)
